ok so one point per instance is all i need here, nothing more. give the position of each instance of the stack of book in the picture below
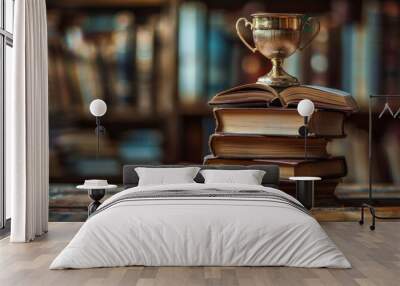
(257, 124)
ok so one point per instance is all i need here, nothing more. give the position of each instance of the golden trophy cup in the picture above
(277, 36)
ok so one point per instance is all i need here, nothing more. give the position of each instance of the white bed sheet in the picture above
(206, 231)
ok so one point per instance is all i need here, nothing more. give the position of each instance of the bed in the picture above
(197, 224)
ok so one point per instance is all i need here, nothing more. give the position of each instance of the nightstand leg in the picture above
(305, 193)
(96, 195)
(93, 207)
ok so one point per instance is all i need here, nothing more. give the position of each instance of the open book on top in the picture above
(256, 94)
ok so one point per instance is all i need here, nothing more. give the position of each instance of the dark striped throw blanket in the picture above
(205, 194)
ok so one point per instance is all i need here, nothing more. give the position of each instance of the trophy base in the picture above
(278, 81)
(278, 77)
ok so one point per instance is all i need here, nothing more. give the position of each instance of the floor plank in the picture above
(375, 256)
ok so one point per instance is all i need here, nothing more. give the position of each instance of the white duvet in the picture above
(206, 231)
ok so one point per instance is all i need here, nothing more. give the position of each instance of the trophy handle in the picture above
(246, 23)
(312, 21)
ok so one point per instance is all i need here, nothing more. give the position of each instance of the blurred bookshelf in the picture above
(105, 3)
(156, 63)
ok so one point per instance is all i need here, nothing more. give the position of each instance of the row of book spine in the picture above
(358, 56)
(112, 57)
(74, 152)
(210, 57)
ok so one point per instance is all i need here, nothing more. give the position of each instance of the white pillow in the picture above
(248, 177)
(166, 176)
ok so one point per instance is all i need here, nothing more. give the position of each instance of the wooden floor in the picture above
(375, 257)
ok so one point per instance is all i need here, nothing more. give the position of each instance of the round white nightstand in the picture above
(305, 190)
(96, 193)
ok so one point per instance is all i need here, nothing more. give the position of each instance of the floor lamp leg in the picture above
(361, 222)
(372, 210)
(373, 214)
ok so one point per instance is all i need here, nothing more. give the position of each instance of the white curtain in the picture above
(27, 124)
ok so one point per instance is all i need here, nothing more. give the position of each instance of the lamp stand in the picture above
(303, 132)
(305, 136)
(99, 130)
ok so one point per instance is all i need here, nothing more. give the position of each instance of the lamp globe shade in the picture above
(305, 107)
(98, 107)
